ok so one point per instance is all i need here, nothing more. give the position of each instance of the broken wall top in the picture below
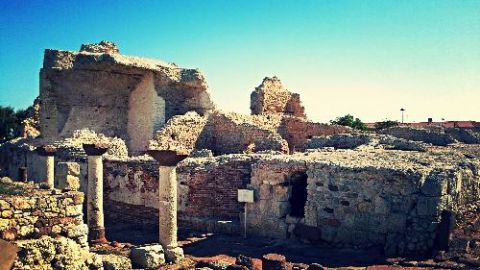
(111, 61)
(271, 97)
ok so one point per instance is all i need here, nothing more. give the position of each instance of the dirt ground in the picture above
(202, 247)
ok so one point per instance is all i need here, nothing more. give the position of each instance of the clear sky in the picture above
(367, 58)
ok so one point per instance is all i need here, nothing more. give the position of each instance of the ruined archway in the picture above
(298, 194)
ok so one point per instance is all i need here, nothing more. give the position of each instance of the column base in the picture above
(173, 254)
(97, 236)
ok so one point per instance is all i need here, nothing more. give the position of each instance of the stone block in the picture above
(116, 262)
(148, 257)
(174, 254)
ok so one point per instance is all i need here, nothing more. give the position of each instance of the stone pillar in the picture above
(95, 217)
(48, 152)
(167, 191)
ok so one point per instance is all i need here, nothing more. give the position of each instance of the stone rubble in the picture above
(149, 256)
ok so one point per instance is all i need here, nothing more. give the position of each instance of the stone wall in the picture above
(271, 97)
(236, 133)
(222, 133)
(361, 199)
(436, 135)
(227, 133)
(298, 131)
(106, 91)
(271, 181)
(34, 213)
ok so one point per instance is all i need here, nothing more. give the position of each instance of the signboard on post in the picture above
(245, 196)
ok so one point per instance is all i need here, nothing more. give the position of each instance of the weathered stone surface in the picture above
(76, 90)
(103, 47)
(149, 257)
(271, 97)
(434, 135)
(365, 140)
(52, 253)
(42, 212)
(67, 176)
(116, 262)
(174, 254)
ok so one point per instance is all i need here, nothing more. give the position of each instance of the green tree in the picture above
(386, 124)
(11, 122)
(349, 121)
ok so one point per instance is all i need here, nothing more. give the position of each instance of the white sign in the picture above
(245, 195)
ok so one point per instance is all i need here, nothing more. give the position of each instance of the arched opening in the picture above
(298, 195)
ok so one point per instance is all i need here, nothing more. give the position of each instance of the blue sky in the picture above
(367, 58)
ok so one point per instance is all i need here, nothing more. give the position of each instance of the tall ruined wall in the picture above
(271, 97)
(117, 95)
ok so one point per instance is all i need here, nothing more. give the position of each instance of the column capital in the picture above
(168, 157)
(46, 150)
(95, 149)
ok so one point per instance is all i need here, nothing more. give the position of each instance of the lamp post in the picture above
(167, 192)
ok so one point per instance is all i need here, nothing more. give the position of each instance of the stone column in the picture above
(48, 152)
(95, 217)
(167, 191)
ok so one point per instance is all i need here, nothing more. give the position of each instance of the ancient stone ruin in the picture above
(147, 146)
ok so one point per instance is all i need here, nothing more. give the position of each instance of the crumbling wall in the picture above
(298, 131)
(117, 95)
(362, 199)
(208, 192)
(436, 135)
(18, 155)
(271, 97)
(236, 133)
(41, 212)
(271, 179)
(131, 191)
(184, 132)
(223, 133)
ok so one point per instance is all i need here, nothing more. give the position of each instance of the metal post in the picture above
(245, 222)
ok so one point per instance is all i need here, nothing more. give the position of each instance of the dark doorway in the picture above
(444, 229)
(298, 197)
